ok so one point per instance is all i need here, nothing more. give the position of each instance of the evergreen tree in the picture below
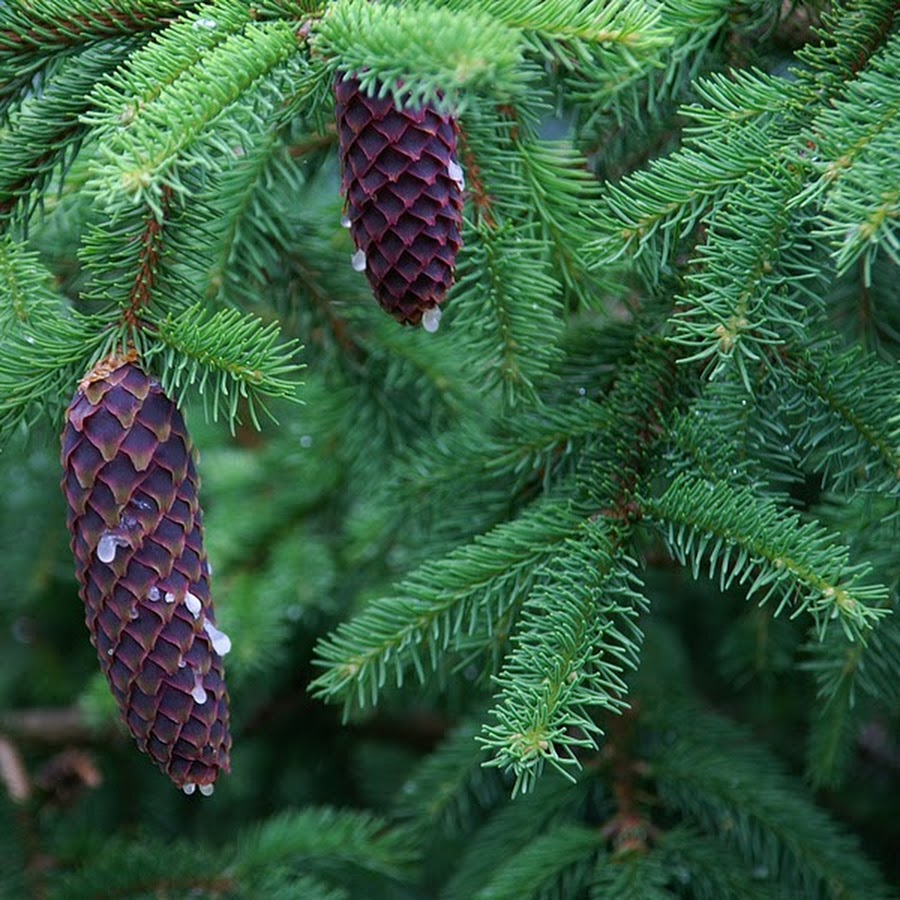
(589, 594)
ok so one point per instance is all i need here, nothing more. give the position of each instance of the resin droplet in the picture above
(170, 597)
(189, 787)
(431, 319)
(208, 24)
(153, 594)
(193, 604)
(106, 546)
(454, 170)
(199, 692)
(358, 261)
(207, 789)
(220, 641)
(345, 221)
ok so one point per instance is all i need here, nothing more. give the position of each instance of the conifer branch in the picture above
(847, 427)
(747, 539)
(325, 841)
(230, 357)
(420, 53)
(47, 25)
(438, 605)
(738, 304)
(45, 130)
(512, 830)
(507, 302)
(852, 143)
(561, 859)
(576, 637)
(451, 786)
(45, 347)
(706, 774)
(141, 157)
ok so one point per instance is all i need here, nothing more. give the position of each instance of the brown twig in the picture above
(477, 192)
(71, 30)
(51, 725)
(145, 277)
(629, 830)
(12, 771)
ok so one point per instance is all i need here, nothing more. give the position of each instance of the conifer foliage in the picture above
(592, 591)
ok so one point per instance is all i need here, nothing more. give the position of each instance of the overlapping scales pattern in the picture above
(136, 532)
(403, 186)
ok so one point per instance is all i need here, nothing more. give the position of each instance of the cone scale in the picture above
(136, 533)
(403, 187)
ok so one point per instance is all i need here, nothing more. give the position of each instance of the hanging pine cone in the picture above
(137, 536)
(403, 186)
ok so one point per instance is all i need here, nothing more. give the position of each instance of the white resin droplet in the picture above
(221, 643)
(107, 545)
(358, 261)
(109, 652)
(431, 319)
(345, 221)
(170, 597)
(193, 604)
(454, 170)
(153, 594)
(189, 787)
(207, 789)
(209, 24)
(199, 692)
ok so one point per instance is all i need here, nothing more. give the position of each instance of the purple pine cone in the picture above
(403, 186)
(135, 522)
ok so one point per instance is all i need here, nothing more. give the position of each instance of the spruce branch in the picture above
(156, 67)
(853, 143)
(744, 538)
(844, 415)
(654, 210)
(421, 53)
(29, 32)
(511, 830)
(44, 130)
(44, 347)
(451, 787)
(576, 638)
(637, 876)
(747, 127)
(439, 605)
(749, 284)
(228, 356)
(559, 860)
(852, 32)
(852, 680)
(714, 773)
(713, 869)
(141, 156)
(507, 304)
(326, 842)
(570, 24)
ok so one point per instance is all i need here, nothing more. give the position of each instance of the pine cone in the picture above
(403, 186)
(137, 536)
